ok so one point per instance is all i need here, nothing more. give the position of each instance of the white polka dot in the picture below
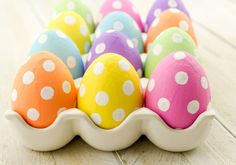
(179, 55)
(70, 5)
(61, 110)
(47, 93)
(69, 20)
(89, 19)
(155, 22)
(174, 10)
(96, 118)
(118, 114)
(100, 48)
(204, 82)
(151, 85)
(140, 72)
(118, 26)
(83, 30)
(33, 114)
(157, 49)
(102, 98)
(14, 95)
(42, 39)
(66, 87)
(61, 34)
(193, 106)
(71, 62)
(172, 3)
(177, 38)
(28, 78)
(98, 68)
(48, 66)
(110, 31)
(128, 88)
(130, 43)
(157, 12)
(82, 90)
(117, 4)
(184, 25)
(181, 78)
(86, 46)
(135, 42)
(124, 65)
(163, 104)
(89, 56)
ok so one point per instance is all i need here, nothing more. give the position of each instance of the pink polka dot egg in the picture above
(121, 5)
(178, 90)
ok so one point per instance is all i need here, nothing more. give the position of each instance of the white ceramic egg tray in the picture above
(140, 122)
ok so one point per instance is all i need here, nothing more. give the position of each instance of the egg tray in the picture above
(143, 121)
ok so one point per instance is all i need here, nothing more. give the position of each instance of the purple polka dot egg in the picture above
(160, 6)
(116, 42)
(178, 90)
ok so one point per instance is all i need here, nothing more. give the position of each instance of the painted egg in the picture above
(80, 8)
(122, 22)
(160, 6)
(74, 26)
(178, 90)
(43, 88)
(116, 42)
(121, 5)
(167, 19)
(116, 94)
(171, 40)
(62, 46)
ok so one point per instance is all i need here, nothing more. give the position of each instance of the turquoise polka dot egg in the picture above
(122, 22)
(62, 46)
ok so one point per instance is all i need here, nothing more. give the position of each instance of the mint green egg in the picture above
(78, 7)
(169, 41)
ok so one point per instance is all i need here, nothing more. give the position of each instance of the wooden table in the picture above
(215, 24)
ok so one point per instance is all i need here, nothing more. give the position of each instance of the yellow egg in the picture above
(75, 27)
(110, 90)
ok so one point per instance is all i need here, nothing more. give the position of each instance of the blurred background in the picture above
(214, 22)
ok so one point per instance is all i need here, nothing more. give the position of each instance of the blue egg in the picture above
(120, 21)
(62, 46)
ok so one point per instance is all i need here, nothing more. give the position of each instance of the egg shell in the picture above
(80, 8)
(62, 46)
(75, 27)
(178, 90)
(43, 88)
(160, 6)
(116, 94)
(121, 5)
(167, 19)
(170, 40)
(116, 42)
(120, 21)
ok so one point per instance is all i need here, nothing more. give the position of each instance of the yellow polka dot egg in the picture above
(110, 90)
(74, 26)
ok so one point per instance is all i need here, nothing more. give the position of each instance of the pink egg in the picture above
(178, 90)
(121, 5)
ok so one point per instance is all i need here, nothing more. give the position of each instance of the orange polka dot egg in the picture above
(167, 19)
(43, 88)
(116, 94)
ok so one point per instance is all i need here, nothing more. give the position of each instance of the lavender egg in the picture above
(160, 6)
(116, 42)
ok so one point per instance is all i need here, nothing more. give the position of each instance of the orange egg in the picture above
(169, 18)
(43, 88)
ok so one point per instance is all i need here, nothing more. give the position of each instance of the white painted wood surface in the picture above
(21, 21)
